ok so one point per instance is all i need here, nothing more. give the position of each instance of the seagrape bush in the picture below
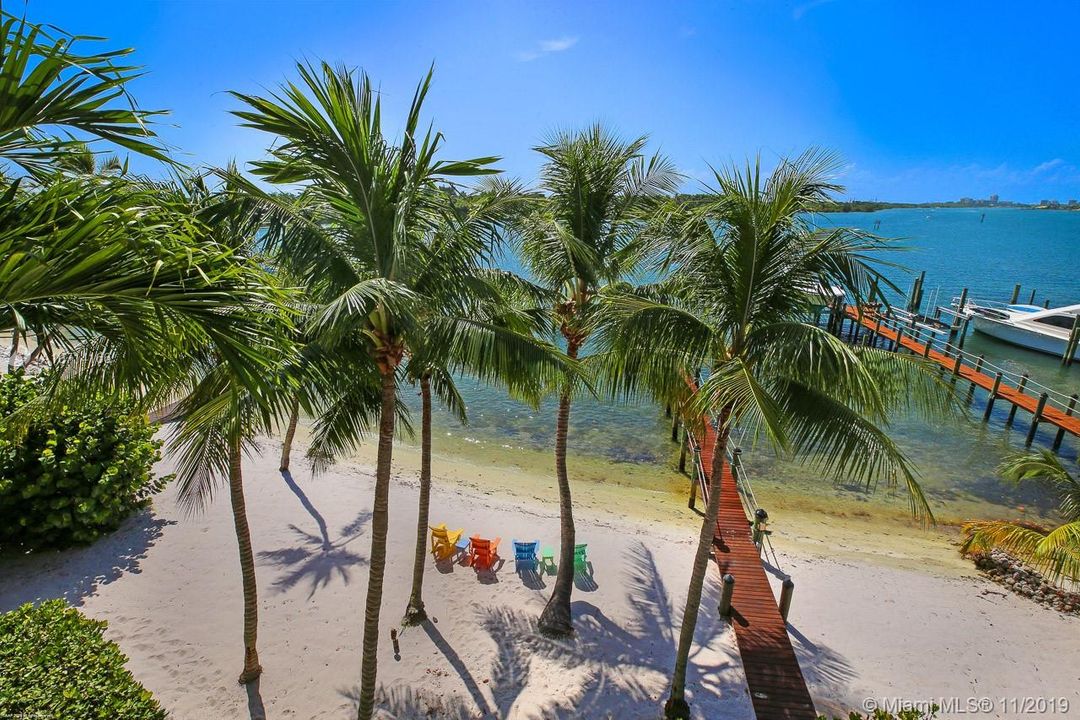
(58, 666)
(75, 475)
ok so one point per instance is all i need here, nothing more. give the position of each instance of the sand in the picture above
(899, 617)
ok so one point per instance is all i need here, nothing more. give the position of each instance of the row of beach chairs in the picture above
(482, 553)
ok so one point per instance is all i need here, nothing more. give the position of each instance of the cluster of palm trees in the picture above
(372, 268)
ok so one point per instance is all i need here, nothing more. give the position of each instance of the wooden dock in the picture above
(775, 681)
(1058, 412)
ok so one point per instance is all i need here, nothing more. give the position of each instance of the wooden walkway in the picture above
(1050, 414)
(777, 688)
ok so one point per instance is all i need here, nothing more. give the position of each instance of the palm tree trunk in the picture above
(380, 519)
(415, 613)
(290, 433)
(677, 707)
(555, 619)
(252, 668)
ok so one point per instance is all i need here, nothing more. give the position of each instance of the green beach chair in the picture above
(581, 560)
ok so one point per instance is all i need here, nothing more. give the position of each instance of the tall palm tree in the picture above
(463, 247)
(221, 410)
(599, 191)
(371, 203)
(738, 273)
(1054, 551)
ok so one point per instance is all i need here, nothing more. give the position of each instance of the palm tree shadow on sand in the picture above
(828, 674)
(77, 573)
(612, 659)
(316, 559)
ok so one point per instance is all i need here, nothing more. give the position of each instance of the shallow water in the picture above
(957, 248)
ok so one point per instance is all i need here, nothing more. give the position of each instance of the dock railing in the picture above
(1045, 398)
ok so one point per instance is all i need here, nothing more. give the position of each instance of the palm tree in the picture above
(1053, 551)
(371, 203)
(81, 160)
(45, 83)
(221, 410)
(599, 191)
(114, 271)
(462, 249)
(738, 273)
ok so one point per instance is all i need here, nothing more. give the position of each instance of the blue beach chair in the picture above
(525, 555)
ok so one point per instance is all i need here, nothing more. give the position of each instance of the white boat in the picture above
(1038, 329)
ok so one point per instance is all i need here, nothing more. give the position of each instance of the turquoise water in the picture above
(957, 248)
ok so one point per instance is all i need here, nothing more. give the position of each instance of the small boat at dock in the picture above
(1027, 326)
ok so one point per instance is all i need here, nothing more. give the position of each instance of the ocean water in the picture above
(986, 251)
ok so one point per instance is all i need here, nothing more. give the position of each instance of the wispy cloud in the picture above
(1056, 177)
(547, 47)
(806, 7)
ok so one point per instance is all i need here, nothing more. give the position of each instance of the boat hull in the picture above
(1021, 337)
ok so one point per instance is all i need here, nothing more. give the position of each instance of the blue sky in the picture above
(924, 100)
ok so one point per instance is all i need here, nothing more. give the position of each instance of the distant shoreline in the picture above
(875, 205)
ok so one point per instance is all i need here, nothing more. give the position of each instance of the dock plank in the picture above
(777, 687)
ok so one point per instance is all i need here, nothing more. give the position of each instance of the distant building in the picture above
(1074, 204)
(994, 199)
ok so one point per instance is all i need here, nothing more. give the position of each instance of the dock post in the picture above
(675, 428)
(1032, 300)
(978, 369)
(993, 395)
(957, 363)
(1071, 344)
(682, 451)
(960, 306)
(963, 331)
(736, 463)
(1019, 388)
(725, 595)
(1015, 295)
(958, 319)
(915, 301)
(786, 590)
(926, 348)
(899, 336)
(1035, 420)
(1061, 431)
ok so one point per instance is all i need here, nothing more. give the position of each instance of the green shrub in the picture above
(58, 665)
(880, 714)
(74, 476)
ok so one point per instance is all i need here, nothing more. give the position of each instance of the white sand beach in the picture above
(868, 619)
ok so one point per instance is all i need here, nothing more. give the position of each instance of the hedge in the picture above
(58, 666)
(75, 475)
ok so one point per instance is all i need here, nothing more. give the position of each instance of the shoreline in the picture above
(169, 586)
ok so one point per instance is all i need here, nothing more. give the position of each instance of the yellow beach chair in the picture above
(444, 543)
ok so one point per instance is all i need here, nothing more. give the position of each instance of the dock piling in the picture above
(1061, 431)
(787, 588)
(991, 397)
(725, 596)
(1035, 419)
(1015, 295)
(1020, 389)
(1071, 345)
